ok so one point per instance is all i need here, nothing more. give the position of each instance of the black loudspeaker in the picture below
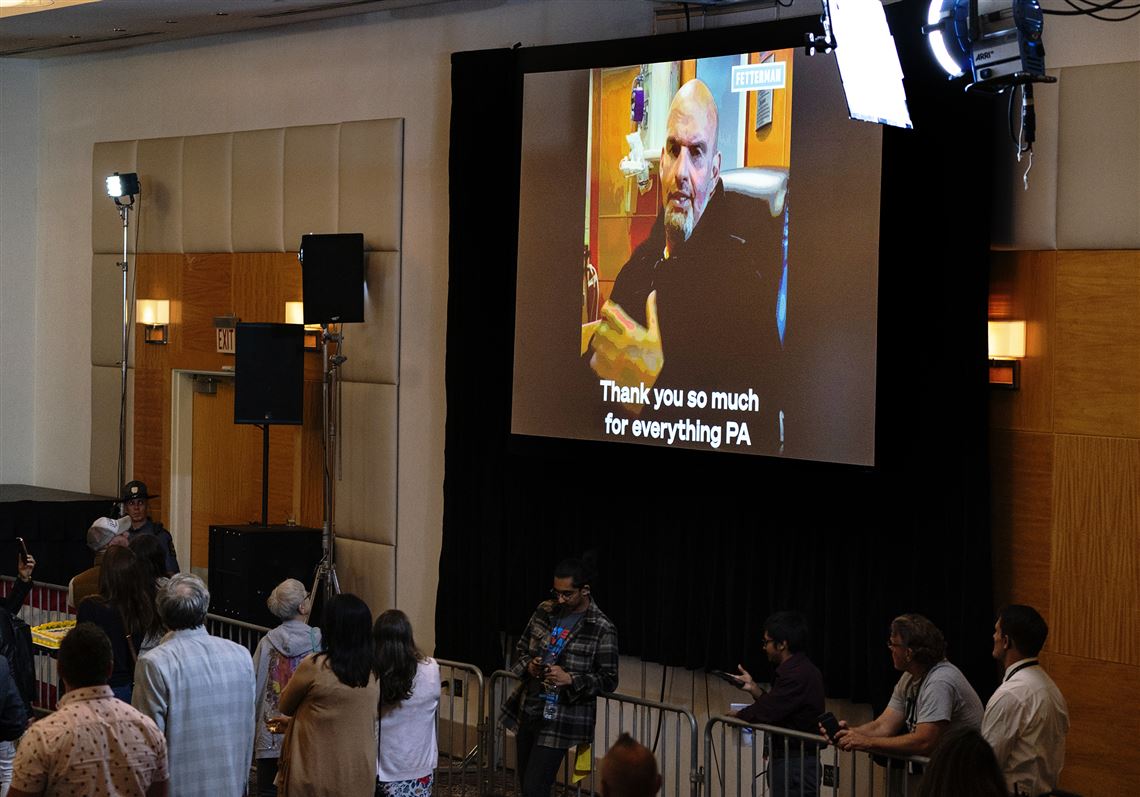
(247, 562)
(332, 277)
(269, 373)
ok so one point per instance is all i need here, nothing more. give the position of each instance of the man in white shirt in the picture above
(1026, 719)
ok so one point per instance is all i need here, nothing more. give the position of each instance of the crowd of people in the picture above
(155, 705)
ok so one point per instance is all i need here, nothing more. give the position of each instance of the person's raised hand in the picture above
(625, 351)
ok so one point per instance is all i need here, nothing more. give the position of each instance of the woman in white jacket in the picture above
(276, 658)
(409, 696)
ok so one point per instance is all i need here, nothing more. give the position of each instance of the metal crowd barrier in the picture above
(460, 726)
(245, 634)
(46, 603)
(669, 731)
(746, 760)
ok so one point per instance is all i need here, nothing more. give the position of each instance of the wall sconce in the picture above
(1006, 349)
(295, 314)
(154, 315)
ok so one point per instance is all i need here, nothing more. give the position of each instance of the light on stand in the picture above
(154, 316)
(123, 186)
(120, 187)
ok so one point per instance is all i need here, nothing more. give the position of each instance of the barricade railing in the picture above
(46, 603)
(752, 760)
(245, 634)
(460, 728)
(669, 731)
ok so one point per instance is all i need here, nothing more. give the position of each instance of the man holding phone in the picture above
(794, 702)
(567, 656)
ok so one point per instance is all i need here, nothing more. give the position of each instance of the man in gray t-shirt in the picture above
(931, 698)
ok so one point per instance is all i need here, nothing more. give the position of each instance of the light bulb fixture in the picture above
(123, 188)
(295, 314)
(154, 317)
(1006, 350)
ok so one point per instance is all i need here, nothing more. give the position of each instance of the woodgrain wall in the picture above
(1065, 466)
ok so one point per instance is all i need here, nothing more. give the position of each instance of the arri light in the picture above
(998, 41)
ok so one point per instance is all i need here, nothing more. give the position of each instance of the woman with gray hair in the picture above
(277, 656)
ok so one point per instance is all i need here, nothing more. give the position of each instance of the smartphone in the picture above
(23, 550)
(732, 679)
(830, 725)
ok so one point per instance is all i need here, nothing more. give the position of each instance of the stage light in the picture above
(997, 41)
(1006, 349)
(154, 316)
(122, 185)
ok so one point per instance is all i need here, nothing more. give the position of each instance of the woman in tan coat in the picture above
(330, 745)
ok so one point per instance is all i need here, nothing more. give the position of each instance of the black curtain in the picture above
(696, 548)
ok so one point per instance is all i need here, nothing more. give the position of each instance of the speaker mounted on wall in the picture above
(332, 277)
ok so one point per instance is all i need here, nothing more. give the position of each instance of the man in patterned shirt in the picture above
(199, 690)
(95, 744)
(567, 656)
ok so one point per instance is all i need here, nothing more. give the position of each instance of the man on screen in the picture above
(694, 307)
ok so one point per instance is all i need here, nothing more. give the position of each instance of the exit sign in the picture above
(226, 339)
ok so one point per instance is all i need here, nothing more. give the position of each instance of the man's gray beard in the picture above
(678, 226)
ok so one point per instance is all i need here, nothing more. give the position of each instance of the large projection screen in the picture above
(760, 253)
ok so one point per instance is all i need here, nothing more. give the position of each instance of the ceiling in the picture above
(47, 28)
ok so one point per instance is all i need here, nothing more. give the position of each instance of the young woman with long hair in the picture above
(330, 745)
(409, 696)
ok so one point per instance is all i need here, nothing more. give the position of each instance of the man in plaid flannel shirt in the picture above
(567, 656)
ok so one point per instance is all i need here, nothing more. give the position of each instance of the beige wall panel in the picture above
(374, 346)
(207, 193)
(366, 495)
(1098, 167)
(311, 182)
(104, 455)
(262, 283)
(367, 569)
(1101, 697)
(1022, 288)
(1095, 576)
(1027, 219)
(106, 228)
(371, 172)
(1021, 515)
(160, 214)
(107, 311)
(1097, 343)
(258, 190)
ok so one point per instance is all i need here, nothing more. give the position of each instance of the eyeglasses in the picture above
(564, 593)
(768, 641)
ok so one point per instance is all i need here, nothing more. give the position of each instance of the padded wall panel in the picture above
(1096, 559)
(1021, 516)
(107, 311)
(1098, 179)
(258, 192)
(1022, 286)
(367, 569)
(366, 495)
(1097, 359)
(160, 204)
(378, 360)
(104, 453)
(207, 193)
(106, 228)
(311, 192)
(1027, 219)
(371, 181)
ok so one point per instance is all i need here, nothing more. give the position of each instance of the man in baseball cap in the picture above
(104, 533)
(134, 500)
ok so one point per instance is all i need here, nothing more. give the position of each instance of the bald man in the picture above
(694, 307)
(629, 770)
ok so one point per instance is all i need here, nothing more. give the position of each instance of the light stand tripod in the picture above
(330, 415)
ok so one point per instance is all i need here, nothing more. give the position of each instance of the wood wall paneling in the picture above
(1097, 361)
(1100, 759)
(1021, 513)
(1022, 288)
(311, 496)
(1096, 554)
(262, 283)
(206, 293)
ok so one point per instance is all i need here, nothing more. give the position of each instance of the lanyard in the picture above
(555, 644)
(1020, 667)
